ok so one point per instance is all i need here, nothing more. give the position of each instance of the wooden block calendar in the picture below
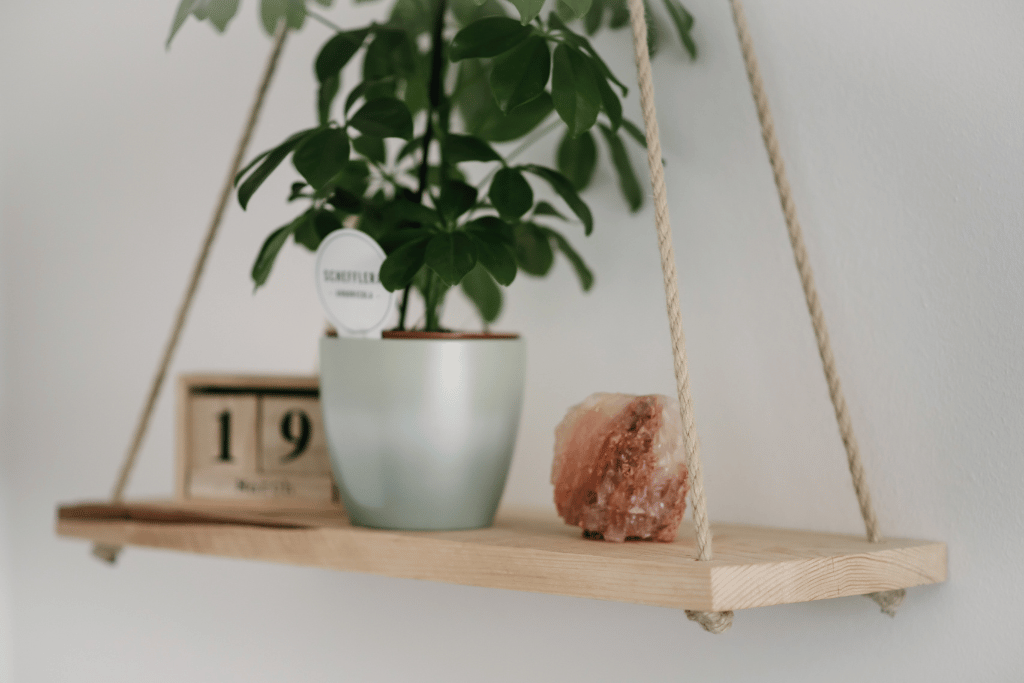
(255, 439)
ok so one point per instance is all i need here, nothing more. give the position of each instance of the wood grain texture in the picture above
(532, 551)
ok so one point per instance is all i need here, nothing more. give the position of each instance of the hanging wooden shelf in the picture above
(533, 551)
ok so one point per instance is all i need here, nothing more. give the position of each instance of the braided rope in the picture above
(888, 601)
(107, 552)
(714, 622)
(796, 239)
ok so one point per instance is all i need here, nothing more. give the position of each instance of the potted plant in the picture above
(422, 424)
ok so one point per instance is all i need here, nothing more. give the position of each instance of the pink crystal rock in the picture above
(620, 470)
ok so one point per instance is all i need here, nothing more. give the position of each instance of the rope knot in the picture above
(712, 622)
(888, 601)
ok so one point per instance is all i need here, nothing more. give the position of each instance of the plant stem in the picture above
(512, 155)
(433, 324)
(435, 91)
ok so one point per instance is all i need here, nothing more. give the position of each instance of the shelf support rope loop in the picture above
(108, 552)
(713, 622)
(888, 601)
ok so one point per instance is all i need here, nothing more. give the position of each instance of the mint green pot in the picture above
(421, 431)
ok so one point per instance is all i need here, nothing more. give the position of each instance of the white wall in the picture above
(6, 607)
(901, 124)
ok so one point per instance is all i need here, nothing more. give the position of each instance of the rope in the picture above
(888, 600)
(109, 552)
(714, 622)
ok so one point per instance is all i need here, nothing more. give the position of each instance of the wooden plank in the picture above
(529, 551)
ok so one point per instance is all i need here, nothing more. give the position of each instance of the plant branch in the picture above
(435, 91)
(324, 20)
(517, 151)
(534, 140)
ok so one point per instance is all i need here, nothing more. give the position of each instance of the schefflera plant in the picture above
(449, 82)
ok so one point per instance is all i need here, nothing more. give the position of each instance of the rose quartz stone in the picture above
(620, 470)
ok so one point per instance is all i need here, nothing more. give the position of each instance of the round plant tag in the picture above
(347, 264)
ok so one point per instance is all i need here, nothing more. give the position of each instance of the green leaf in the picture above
(472, 94)
(574, 89)
(576, 8)
(487, 37)
(592, 21)
(417, 84)
(219, 13)
(415, 212)
(628, 182)
(600, 66)
(577, 159)
(385, 117)
(326, 222)
(635, 132)
(296, 14)
(610, 103)
(272, 11)
(415, 16)
(451, 255)
(459, 148)
(456, 199)
(325, 98)
(494, 240)
(586, 277)
(362, 89)
(390, 53)
(296, 192)
(184, 9)
(620, 14)
(560, 184)
(312, 232)
(582, 44)
(271, 247)
(521, 74)
(354, 177)
(510, 193)
(528, 9)
(533, 249)
(337, 51)
(545, 209)
(344, 201)
(498, 127)
(271, 160)
(371, 147)
(684, 24)
(481, 289)
(321, 156)
(467, 12)
(401, 265)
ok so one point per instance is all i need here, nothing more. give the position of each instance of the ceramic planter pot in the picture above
(421, 431)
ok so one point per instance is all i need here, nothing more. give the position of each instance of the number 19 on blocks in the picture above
(260, 439)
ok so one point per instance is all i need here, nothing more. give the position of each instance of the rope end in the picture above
(889, 601)
(712, 622)
(107, 553)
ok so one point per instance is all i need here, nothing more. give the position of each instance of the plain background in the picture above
(902, 124)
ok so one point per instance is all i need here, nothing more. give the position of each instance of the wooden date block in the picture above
(252, 439)
(223, 434)
(293, 436)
